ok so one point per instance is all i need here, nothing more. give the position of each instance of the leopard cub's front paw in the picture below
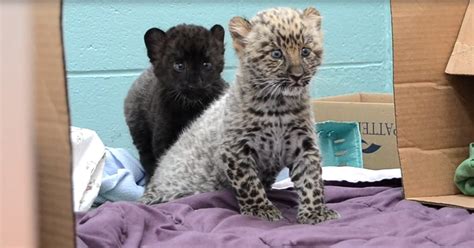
(146, 199)
(267, 212)
(316, 216)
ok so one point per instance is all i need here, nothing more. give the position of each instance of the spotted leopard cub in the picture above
(261, 124)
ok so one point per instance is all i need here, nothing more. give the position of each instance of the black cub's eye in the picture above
(305, 52)
(179, 67)
(277, 54)
(207, 65)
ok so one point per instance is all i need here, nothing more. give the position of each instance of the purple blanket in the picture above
(371, 217)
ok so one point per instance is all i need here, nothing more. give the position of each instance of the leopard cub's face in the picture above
(280, 49)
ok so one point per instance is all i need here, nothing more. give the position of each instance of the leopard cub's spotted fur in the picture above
(262, 124)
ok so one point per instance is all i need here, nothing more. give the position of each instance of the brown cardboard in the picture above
(434, 111)
(52, 129)
(375, 114)
(447, 200)
(461, 61)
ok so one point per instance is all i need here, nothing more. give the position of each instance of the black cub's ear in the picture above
(218, 32)
(154, 39)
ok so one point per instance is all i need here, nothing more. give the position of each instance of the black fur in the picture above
(168, 96)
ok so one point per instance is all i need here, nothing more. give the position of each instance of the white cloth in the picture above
(88, 164)
(348, 174)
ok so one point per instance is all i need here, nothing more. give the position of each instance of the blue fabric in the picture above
(123, 178)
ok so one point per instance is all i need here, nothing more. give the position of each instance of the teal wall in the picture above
(105, 50)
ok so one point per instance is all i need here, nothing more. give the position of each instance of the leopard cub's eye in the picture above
(277, 54)
(305, 52)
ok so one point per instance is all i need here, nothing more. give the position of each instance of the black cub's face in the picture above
(188, 59)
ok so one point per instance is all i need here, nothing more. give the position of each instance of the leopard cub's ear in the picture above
(239, 28)
(312, 17)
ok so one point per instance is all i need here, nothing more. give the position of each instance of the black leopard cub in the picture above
(183, 79)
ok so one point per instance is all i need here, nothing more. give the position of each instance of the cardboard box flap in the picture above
(461, 61)
(360, 98)
(56, 225)
(430, 172)
(434, 111)
(433, 117)
(424, 33)
(447, 200)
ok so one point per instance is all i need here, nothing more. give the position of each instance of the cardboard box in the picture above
(376, 116)
(41, 166)
(51, 127)
(434, 111)
(461, 61)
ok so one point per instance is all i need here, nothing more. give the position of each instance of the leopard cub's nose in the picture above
(295, 78)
